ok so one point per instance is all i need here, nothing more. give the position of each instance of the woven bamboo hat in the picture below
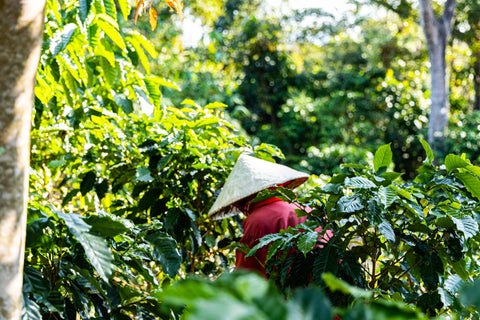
(249, 176)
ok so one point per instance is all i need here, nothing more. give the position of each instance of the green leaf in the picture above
(386, 230)
(110, 8)
(110, 27)
(336, 284)
(383, 157)
(313, 304)
(123, 102)
(386, 196)
(474, 169)
(143, 175)
(263, 242)
(471, 183)
(62, 38)
(30, 310)
(428, 150)
(453, 283)
(125, 7)
(108, 226)
(453, 162)
(152, 83)
(88, 182)
(327, 260)
(467, 225)
(165, 251)
(84, 9)
(215, 105)
(96, 249)
(360, 183)
(306, 241)
(469, 294)
(349, 204)
(374, 212)
(33, 282)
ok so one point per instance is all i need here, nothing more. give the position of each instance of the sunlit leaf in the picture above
(453, 162)
(152, 17)
(177, 5)
(306, 241)
(62, 38)
(383, 157)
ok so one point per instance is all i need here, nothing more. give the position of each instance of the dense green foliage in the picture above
(124, 166)
(415, 242)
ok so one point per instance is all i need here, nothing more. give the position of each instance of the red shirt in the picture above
(269, 216)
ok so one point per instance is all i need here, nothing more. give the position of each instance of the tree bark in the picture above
(437, 32)
(476, 80)
(20, 44)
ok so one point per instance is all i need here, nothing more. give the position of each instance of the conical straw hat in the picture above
(249, 176)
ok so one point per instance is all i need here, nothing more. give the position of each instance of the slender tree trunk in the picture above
(21, 28)
(476, 80)
(437, 32)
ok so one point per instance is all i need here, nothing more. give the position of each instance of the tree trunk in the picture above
(476, 80)
(20, 43)
(437, 32)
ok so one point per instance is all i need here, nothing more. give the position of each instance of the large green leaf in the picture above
(387, 196)
(125, 7)
(110, 27)
(85, 8)
(453, 162)
(306, 241)
(164, 250)
(360, 183)
(471, 183)
(383, 157)
(386, 230)
(62, 38)
(30, 310)
(110, 8)
(467, 225)
(96, 249)
(428, 150)
(349, 204)
(108, 225)
(263, 242)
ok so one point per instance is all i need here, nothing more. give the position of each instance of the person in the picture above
(248, 177)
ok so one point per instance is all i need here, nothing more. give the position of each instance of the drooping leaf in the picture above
(96, 249)
(108, 225)
(152, 17)
(110, 8)
(374, 212)
(386, 230)
(386, 196)
(383, 157)
(30, 310)
(88, 182)
(306, 241)
(177, 5)
(165, 251)
(453, 162)
(349, 204)
(62, 38)
(336, 284)
(85, 8)
(360, 183)
(471, 183)
(428, 150)
(263, 242)
(467, 225)
(110, 27)
(125, 7)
